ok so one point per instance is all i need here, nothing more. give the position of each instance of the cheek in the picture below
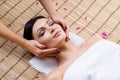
(56, 42)
(45, 39)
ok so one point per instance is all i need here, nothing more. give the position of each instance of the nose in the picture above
(51, 29)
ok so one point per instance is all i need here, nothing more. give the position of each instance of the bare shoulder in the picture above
(55, 75)
(91, 41)
(95, 38)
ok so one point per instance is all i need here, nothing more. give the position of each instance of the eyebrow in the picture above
(42, 27)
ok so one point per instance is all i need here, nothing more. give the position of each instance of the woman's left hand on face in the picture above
(60, 20)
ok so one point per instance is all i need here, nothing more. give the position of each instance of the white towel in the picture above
(99, 62)
(47, 65)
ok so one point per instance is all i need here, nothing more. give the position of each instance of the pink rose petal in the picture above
(37, 3)
(17, 51)
(37, 76)
(85, 18)
(104, 35)
(56, 3)
(23, 17)
(77, 28)
(10, 26)
(65, 9)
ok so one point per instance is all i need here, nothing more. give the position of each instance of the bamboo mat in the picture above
(85, 17)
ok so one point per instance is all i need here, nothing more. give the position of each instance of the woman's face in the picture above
(46, 32)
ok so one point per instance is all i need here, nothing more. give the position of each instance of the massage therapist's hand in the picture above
(40, 50)
(60, 20)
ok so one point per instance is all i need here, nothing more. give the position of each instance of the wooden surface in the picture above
(85, 17)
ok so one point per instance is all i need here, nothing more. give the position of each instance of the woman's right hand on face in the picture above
(40, 50)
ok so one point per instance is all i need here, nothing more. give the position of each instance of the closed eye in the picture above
(41, 32)
(51, 23)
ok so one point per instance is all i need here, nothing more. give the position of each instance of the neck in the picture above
(67, 51)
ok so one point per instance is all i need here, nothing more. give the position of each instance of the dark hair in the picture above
(28, 27)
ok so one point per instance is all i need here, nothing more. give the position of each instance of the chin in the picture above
(57, 42)
(60, 43)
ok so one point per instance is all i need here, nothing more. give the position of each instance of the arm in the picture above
(32, 45)
(8, 34)
(55, 75)
(47, 4)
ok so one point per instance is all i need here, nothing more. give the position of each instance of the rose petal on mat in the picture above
(56, 3)
(77, 28)
(37, 76)
(23, 17)
(17, 51)
(9, 68)
(65, 9)
(10, 26)
(85, 18)
(104, 35)
(37, 3)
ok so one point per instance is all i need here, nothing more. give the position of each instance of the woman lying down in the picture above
(97, 59)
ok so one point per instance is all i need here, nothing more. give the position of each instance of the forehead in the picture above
(38, 24)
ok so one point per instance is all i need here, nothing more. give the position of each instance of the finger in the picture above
(54, 54)
(67, 33)
(40, 46)
(50, 53)
(51, 50)
(65, 26)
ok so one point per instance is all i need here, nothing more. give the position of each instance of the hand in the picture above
(40, 50)
(58, 19)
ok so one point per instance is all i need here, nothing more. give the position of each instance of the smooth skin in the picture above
(32, 45)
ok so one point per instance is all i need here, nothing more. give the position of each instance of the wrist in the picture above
(23, 43)
(54, 16)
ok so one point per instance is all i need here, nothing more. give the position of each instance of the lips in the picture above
(56, 34)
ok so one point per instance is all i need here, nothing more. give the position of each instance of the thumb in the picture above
(63, 24)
